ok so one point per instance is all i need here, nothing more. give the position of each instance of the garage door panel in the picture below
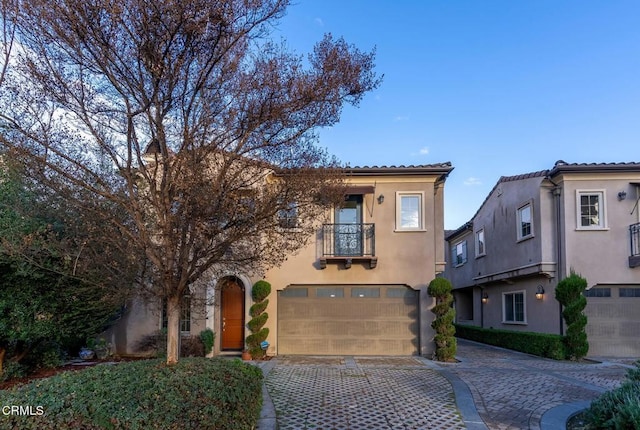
(377, 324)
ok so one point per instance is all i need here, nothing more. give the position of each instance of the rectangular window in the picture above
(294, 292)
(597, 292)
(400, 292)
(629, 292)
(371, 292)
(480, 250)
(514, 307)
(590, 210)
(288, 216)
(525, 222)
(409, 213)
(185, 314)
(459, 253)
(330, 292)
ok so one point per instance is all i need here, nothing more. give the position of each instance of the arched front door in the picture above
(232, 298)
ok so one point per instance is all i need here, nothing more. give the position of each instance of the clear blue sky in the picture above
(496, 87)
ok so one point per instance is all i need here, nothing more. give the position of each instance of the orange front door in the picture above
(232, 316)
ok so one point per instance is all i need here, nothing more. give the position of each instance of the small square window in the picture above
(525, 222)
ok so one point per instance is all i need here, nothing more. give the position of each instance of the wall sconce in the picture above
(540, 292)
(485, 297)
(380, 199)
(622, 195)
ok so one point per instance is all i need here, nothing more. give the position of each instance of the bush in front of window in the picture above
(569, 293)
(445, 340)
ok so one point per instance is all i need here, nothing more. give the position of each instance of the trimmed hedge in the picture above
(541, 344)
(195, 393)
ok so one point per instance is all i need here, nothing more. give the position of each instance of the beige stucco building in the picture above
(531, 231)
(359, 287)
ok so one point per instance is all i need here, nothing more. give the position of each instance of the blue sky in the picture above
(496, 87)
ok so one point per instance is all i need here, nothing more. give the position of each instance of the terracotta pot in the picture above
(246, 355)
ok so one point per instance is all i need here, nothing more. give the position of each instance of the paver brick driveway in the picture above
(360, 393)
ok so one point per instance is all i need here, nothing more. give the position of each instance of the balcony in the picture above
(634, 236)
(348, 243)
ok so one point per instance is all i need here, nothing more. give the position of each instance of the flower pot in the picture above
(246, 355)
(86, 354)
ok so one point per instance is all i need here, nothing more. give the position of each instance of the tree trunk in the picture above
(173, 329)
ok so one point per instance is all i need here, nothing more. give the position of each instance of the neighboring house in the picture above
(531, 231)
(360, 287)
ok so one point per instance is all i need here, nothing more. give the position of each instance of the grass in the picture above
(194, 394)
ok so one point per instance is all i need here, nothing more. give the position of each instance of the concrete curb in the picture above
(556, 418)
(464, 399)
(268, 419)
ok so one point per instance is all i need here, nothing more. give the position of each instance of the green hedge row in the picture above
(541, 344)
(196, 393)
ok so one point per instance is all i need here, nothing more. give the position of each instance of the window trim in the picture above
(602, 207)
(421, 214)
(524, 308)
(519, 234)
(484, 243)
(185, 314)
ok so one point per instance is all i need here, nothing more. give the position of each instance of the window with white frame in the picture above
(288, 216)
(185, 314)
(591, 209)
(525, 221)
(409, 211)
(513, 307)
(480, 248)
(459, 253)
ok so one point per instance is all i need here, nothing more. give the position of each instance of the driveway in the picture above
(488, 388)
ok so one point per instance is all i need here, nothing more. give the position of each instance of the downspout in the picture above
(557, 194)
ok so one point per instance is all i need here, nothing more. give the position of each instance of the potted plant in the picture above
(102, 349)
(246, 355)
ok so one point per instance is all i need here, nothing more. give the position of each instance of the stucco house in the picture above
(531, 231)
(360, 287)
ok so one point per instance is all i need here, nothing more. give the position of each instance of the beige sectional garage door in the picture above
(613, 320)
(348, 320)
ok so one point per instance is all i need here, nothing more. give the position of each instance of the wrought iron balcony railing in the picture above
(634, 240)
(348, 240)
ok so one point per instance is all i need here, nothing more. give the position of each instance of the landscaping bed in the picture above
(193, 394)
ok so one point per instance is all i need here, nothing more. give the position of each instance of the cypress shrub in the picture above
(445, 341)
(259, 333)
(569, 293)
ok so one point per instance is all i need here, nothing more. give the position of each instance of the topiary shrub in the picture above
(569, 293)
(445, 341)
(207, 336)
(259, 293)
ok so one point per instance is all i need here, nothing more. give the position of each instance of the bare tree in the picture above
(186, 118)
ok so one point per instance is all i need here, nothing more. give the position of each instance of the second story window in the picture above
(525, 222)
(591, 212)
(459, 253)
(288, 216)
(480, 245)
(409, 215)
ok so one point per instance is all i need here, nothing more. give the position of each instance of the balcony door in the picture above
(348, 227)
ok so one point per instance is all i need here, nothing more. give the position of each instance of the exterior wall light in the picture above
(540, 292)
(622, 195)
(485, 297)
(380, 199)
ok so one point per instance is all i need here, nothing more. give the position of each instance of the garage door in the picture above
(348, 320)
(613, 320)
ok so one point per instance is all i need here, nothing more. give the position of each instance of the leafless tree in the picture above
(187, 121)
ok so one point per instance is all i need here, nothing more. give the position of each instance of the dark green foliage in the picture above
(259, 333)
(260, 291)
(569, 293)
(207, 336)
(258, 308)
(446, 346)
(196, 393)
(540, 344)
(619, 408)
